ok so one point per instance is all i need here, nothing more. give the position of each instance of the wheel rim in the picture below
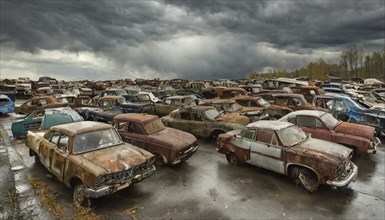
(159, 160)
(79, 195)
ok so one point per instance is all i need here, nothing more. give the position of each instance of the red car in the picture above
(169, 145)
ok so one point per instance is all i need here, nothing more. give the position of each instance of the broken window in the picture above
(250, 134)
(265, 136)
(185, 115)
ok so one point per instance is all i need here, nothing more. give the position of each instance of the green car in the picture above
(43, 119)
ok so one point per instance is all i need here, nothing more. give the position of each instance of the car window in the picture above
(185, 115)
(282, 100)
(292, 120)
(135, 128)
(63, 142)
(196, 116)
(265, 136)
(121, 126)
(308, 122)
(250, 134)
(340, 105)
(54, 137)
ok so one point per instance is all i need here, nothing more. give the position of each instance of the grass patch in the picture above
(47, 198)
(50, 204)
(8, 200)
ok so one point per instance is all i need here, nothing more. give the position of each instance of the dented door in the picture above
(266, 153)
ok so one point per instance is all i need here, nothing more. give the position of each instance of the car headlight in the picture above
(100, 180)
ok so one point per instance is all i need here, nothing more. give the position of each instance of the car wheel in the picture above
(308, 179)
(214, 135)
(233, 159)
(79, 198)
(159, 161)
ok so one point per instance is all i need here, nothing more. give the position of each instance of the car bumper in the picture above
(374, 145)
(107, 190)
(349, 176)
(187, 154)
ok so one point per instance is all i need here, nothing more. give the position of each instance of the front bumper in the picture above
(186, 154)
(107, 190)
(347, 177)
(374, 145)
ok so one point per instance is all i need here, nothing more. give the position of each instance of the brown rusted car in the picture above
(173, 102)
(322, 125)
(231, 106)
(274, 111)
(204, 121)
(293, 101)
(38, 103)
(169, 145)
(284, 148)
(91, 158)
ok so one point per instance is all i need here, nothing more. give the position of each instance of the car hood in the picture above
(323, 150)
(273, 106)
(230, 117)
(172, 138)
(252, 109)
(117, 158)
(356, 129)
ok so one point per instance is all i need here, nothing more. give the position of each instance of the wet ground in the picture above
(206, 187)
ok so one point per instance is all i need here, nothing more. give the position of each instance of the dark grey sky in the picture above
(180, 39)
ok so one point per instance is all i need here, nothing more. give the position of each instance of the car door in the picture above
(265, 151)
(136, 135)
(59, 156)
(47, 145)
(33, 121)
(314, 126)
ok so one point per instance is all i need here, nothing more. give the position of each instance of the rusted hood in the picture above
(117, 158)
(230, 117)
(323, 150)
(172, 138)
(356, 129)
(309, 107)
(252, 109)
(273, 106)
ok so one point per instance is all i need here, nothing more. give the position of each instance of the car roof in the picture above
(136, 117)
(271, 125)
(81, 127)
(315, 113)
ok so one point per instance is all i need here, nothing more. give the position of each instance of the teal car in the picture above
(44, 119)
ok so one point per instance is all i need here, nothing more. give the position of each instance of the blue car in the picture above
(345, 108)
(6, 104)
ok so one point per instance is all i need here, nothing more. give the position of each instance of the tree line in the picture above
(352, 64)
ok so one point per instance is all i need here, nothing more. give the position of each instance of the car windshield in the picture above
(144, 97)
(329, 120)
(95, 140)
(154, 126)
(232, 107)
(130, 99)
(211, 114)
(291, 135)
(262, 102)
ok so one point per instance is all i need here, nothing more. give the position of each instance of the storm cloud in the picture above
(180, 39)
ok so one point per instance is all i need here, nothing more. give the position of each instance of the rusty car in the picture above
(345, 108)
(90, 158)
(43, 119)
(284, 148)
(322, 125)
(204, 121)
(274, 111)
(231, 106)
(171, 103)
(293, 101)
(38, 103)
(169, 145)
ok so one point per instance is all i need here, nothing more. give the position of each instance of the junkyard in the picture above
(205, 186)
(192, 109)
